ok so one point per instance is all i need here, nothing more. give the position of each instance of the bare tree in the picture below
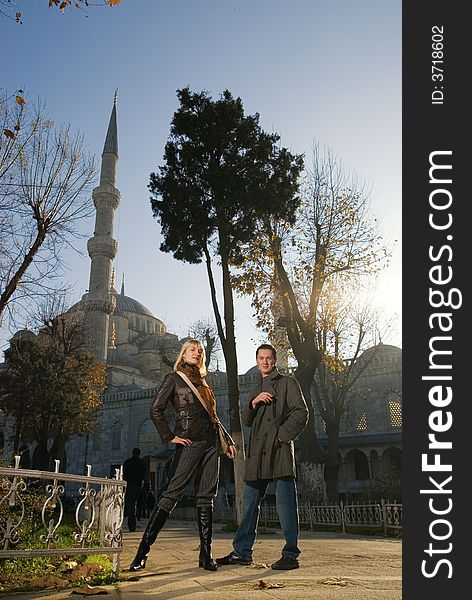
(289, 267)
(346, 329)
(45, 182)
(205, 330)
(10, 9)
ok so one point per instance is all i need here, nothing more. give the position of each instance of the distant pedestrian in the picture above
(141, 504)
(134, 473)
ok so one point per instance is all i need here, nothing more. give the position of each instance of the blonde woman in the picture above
(197, 449)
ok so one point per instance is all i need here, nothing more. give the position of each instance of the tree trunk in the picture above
(41, 456)
(311, 449)
(58, 452)
(332, 463)
(312, 454)
(228, 344)
(233, 389)
(18, 428)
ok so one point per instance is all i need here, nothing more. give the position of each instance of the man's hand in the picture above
(231, 452)
(262, 398)
(181, 441)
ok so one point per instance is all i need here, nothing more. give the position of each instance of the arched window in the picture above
(148, 437)
(361, 465)
(394, 408)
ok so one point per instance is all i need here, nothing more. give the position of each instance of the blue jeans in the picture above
(287, 509)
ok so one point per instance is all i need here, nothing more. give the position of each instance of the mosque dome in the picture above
(127, 304)
(117, 357)
(382, 350)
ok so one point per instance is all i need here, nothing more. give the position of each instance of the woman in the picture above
(197, 449)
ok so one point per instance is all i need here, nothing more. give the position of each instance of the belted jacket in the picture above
(191, 419)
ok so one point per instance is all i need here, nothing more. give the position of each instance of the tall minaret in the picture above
(99, 302)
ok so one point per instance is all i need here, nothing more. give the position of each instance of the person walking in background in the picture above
(134, 473)
(276, 413)
(197, 449)
(141, 504)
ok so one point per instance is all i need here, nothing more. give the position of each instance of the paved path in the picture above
(332, 566)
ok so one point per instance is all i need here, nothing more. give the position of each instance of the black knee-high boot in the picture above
(205, 528)
(155, 524)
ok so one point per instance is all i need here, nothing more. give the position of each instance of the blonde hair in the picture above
(192, 342)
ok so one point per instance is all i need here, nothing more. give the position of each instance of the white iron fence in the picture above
(97, 506)
(384, 516)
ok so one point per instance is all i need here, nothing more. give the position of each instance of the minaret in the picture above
(99, 302)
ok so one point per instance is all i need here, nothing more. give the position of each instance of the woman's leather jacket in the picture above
(191, 419)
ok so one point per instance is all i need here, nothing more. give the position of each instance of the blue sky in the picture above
(316, 70)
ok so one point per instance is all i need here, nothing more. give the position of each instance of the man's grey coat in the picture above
(274, 427)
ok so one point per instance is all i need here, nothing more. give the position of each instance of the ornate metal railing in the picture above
(384, 516)
(98, 511)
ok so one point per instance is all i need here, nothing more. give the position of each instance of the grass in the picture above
(17, 574)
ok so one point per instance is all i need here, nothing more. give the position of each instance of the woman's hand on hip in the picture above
(231, 452)
(181, 441)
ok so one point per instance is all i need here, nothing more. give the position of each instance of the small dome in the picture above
(118, 357)
(382, 350)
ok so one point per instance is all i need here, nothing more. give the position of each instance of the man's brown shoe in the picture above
(233, 559)
(285, 564)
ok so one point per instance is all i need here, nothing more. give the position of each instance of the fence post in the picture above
(343, 523)
(384, 515)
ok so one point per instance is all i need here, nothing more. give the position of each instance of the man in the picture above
(276, 413)
(134, 473)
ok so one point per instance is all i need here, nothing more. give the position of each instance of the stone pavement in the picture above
(333, 566)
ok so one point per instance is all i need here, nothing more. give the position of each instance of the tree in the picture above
(205, 330)
(45, 180)
(52, 393)
(8, 7)
(334, 237)
(222, 174)
(346, 330)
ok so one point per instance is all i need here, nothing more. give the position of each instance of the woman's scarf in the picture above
(193, 373)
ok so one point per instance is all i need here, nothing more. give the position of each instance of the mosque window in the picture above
(362, 425)
(394, 408)
(395, 411)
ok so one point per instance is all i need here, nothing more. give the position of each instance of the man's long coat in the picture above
(274, 427)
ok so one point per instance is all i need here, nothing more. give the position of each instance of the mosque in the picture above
(139, 351)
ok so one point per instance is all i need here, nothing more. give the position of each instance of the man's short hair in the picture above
(136, 451)
(267, 347)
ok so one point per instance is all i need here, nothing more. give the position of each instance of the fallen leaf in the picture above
(263, 585)
(49, 581)
(260, 566)
(83, 571)
(88, 590)
(333, 581)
